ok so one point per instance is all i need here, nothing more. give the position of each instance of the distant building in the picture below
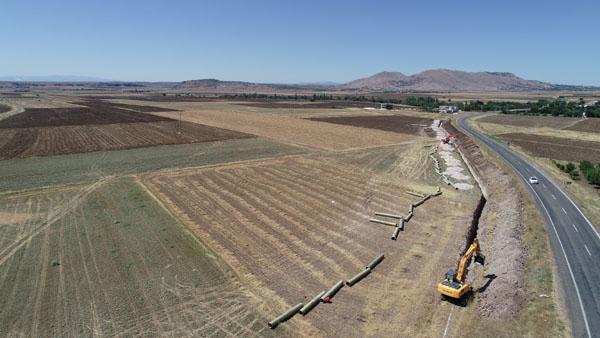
(388, 106)
(448, 109)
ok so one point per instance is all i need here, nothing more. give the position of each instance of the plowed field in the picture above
(48, 141)
(557, 148)
(588, 125)
(293, 227)
(396, 123)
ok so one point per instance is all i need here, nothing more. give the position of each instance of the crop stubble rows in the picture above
(293, 227)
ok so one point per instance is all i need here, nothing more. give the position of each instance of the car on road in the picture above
(533, 180)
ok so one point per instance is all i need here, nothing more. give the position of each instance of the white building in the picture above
(448, 109)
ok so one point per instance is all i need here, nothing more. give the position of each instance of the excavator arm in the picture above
(454, 285)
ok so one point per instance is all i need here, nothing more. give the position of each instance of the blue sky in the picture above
(284, 41)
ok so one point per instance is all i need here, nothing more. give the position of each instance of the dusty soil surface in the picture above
(500, 234)
(293, 130)
(4, 108)
(557, 148)
(395, 123)
(14, 217)
(531, 121)
(591, 125)
(125, 268)
(291, 228)
(74, 139)
(94, 113)
(307, 105)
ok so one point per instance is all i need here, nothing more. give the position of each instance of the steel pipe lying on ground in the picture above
(358, 277)
(415, 193)
(376, 261)
(411, 208)
(426, 197)
(409, 216)
(396, 233)
(437, 193)
(329, 294)
(387, 215)
(310, 305)
(285, 316)
(401, 224)
(374, 220)
(419, 202)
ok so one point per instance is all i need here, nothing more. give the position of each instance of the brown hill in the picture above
(443, 80)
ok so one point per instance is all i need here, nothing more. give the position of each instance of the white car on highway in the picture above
(533, 180)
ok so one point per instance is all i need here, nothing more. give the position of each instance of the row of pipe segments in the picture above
(438, 170)
(401, 219)
(324, 297)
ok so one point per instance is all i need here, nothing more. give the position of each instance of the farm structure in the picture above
(291, 227)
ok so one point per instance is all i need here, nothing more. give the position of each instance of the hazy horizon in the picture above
(277, 42)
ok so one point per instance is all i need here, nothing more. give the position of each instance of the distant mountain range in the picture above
(430, 81)
(54, 78)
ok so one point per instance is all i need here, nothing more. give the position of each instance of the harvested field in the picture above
(591, 125)
(122, 267)
(293, 227)
(557, 148)
(4, 108)
(292, 130)
(530, 121)
(395, 123)
(36, 172)
(305, 104)
(94, 113)
(49, 141)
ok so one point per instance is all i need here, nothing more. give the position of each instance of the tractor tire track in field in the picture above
(291, 227)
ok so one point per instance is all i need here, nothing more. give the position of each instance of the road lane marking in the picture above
(575, 228)
(564, 211)
(544, 185)
(587, 326)
(588, 250)
(553, 196)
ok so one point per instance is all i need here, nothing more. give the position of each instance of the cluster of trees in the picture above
(590, 172)
(570, 169)
(556, 107)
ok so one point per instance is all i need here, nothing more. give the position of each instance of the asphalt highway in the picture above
(574, 240)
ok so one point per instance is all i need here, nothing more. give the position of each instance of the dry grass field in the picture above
(106, 260)
(291, 228)
(530, 121)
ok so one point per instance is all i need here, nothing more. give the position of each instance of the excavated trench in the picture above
(474, 227)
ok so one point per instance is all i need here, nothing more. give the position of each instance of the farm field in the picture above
(105, 259)
(291, 228)
(396, 123)
(31, 173)
(530, 121)
(555, 147)
(48, 141)
(4, 108)
(588, 125)
(292, 130)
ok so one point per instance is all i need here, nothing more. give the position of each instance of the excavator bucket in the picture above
(480, 259)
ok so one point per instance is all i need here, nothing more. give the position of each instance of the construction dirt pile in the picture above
(502, 294)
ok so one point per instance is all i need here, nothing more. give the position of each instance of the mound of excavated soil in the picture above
(500, 233)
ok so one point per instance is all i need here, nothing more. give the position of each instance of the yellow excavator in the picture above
(454, 285)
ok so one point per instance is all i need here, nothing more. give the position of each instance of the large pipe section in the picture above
(376, 261)
(419, 202)
(415, 193)
(358, 277)
(396, 233)
(285, 316)
(329, 294)
(401, 224)
(310, 305)
(409, 216)
(382, 222)
(387, 215)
